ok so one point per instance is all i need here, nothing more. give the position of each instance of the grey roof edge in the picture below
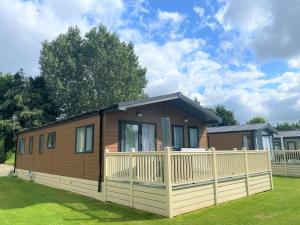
(288, 134)
(241, 128)
(168, 97)
(270, 127)
(129, 104)
(151, 100)
(201, 108)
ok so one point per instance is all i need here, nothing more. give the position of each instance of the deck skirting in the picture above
(80, 186)
(290, 170)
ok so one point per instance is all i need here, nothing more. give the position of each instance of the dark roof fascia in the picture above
(163, 98)
(199, 107)
(136, 103)
(123, 106)
(240, 131)
(270, 127)
(62, 121)
(290, 137)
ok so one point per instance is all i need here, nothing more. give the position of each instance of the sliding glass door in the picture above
(140, 136)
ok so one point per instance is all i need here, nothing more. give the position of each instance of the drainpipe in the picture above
(101, 151)
(15, 164)
(282, 143)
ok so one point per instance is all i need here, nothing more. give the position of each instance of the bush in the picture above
(2, 152)
(10, 157)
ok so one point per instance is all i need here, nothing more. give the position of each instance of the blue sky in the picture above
(242, 54)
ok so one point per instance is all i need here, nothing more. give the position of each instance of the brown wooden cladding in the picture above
(227, 141)
(152, 114)
(62, 160)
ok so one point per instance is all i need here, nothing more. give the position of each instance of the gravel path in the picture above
(5, 169)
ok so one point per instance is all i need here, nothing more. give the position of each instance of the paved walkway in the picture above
(5, 169)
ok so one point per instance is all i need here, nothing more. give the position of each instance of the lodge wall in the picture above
(230, 140)
(152, 114)
(62, 160)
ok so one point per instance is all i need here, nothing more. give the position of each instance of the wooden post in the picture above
(284, 161)
(105, 175)
(168, 179)
(132, 150)
(246, 169)
(215, 175)
(270, 170)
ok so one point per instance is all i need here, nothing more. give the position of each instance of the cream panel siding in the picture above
(76, 185)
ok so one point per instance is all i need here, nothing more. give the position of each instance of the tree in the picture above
(91, 72)
(226, 115)
(24, 102)
(257, 119)
(288, 126)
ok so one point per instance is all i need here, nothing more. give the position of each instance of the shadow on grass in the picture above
(16, 193)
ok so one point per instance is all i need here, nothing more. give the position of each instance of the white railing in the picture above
(184, 167)
(285, 156)
(146, 167)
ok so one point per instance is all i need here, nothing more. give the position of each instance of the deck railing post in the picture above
(105, 174)
(270, 169)
(168, 179)
(132, 150)
(246, 170)
(284, 161)
(215, 172)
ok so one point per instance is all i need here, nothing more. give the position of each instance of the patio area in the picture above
(171, 183)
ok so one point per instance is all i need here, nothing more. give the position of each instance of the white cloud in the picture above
(175, 63)
(294, 62)
(25, 24)
(199, 10)
(170, 16)
(272, 25)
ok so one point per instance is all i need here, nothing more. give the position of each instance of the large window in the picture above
(140, 136)
(41, 143)
(21, 146)
(84, 139)
(178, 138)
(247, 141)
(30, 145)
(193, 137)
(51, 140)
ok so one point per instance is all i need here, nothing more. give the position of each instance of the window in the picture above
(246, 141)
(140, 136)
(51, 140)
(84, 139)
(291, 145)
(193, 137)
(30, 144)
(178, 139)
(21, 146)
(41, 143)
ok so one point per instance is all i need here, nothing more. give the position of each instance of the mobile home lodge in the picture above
(148, 154)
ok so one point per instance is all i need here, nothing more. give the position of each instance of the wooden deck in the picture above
(171, 183)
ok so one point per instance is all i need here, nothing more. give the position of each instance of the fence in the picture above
(286, 162)
(170, 183)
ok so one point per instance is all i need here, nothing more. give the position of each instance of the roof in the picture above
(243, 127)
(177, 99)
(288, 133)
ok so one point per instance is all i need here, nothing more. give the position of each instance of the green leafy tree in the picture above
(288, 126)
(90, 72)
(24, 102)
(257, 119)
(226, 115)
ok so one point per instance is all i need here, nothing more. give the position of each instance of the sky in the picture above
(241, 54)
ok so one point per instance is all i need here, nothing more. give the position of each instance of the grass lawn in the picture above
(11, 159)
(23, 202)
